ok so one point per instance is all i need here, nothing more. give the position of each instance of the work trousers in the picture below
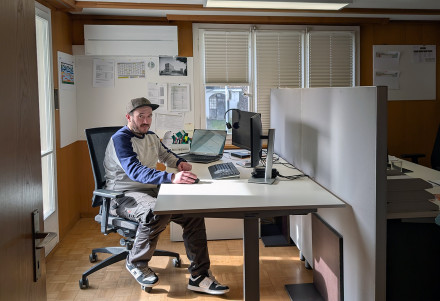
(138, 206)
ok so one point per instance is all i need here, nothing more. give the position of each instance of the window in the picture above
(278, 63)
(226, 69)
(331, 59)
(44, 63)
(242, 63)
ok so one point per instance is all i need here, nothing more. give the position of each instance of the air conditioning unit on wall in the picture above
(125, 40)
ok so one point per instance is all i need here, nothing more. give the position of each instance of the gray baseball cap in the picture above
(140, 102)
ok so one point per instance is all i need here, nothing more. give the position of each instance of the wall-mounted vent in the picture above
(130, 40)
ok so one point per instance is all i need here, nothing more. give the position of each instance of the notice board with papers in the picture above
(409, 71)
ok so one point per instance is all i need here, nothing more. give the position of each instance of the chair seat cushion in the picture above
(118, 222)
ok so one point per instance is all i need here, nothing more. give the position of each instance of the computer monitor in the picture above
(246, 133)
(256, 135)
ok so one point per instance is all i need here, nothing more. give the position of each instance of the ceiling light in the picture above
(279, 4)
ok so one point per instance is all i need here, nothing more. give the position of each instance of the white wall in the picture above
(105, 106)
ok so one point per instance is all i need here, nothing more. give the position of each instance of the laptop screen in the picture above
(208, 142)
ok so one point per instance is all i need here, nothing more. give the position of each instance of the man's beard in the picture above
(137, 130)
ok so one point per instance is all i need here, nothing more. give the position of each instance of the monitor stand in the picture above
(269, 160)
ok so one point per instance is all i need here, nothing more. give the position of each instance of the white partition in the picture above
(338, 137)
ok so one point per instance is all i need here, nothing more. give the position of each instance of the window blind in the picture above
(226, 57)
(331, 59)
(278, 56)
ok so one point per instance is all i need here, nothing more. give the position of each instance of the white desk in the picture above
(236, 198)
(410, 233)
(425, 173)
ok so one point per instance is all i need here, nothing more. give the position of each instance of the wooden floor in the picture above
(278, 266)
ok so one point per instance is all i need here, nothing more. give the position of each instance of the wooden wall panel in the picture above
(67, 158)
(412, 125)
(68, 188)
(86, 182)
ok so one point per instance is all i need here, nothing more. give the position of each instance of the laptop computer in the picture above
(206, 146)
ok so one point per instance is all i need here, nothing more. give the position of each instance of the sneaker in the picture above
(144, 276)
(207, 284)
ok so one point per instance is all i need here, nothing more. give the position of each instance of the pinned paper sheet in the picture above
(179, 98)
(387, 78)
(157, 94)
(103, 73)
(169, 122)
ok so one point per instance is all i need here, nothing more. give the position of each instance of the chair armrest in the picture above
(111, 194)
(107, 196)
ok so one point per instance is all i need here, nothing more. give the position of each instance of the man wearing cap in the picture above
(130, 165)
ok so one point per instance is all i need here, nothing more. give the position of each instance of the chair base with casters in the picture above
(127, 229)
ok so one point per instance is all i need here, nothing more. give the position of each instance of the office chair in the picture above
(435, 156)
(97, 140)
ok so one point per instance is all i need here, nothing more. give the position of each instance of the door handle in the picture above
(46, 239)
(38, 245)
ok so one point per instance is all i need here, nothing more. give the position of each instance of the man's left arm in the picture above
(171, 159)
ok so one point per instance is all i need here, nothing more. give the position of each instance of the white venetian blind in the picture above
(278, 65)
(226, 57)
(331, 59)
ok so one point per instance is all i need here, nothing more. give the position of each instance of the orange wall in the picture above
(67, 157)
(412, 125)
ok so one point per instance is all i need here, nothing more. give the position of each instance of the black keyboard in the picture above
(223, 171)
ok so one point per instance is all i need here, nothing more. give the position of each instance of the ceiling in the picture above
(194, 10)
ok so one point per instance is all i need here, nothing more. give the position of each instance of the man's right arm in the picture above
(134, 169)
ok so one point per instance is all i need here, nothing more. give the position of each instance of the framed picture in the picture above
(172, 66)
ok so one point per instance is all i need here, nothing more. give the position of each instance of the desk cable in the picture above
(288, 165)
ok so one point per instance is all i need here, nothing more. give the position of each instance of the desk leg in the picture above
(251, 257)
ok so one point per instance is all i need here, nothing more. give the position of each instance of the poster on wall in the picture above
(173, 66)
(66, 65)
(131, 69)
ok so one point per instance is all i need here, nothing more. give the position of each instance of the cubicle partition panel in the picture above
(340, 140)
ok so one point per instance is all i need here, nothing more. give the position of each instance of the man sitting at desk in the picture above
(130, 165)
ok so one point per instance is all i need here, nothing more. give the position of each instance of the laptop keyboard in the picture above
(200, 158)
(223, 171)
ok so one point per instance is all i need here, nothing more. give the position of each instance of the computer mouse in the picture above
(197, 181)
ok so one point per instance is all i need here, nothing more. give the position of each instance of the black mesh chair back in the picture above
(97, 140)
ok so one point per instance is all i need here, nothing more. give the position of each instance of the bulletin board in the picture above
(409, 71)
(101, 99)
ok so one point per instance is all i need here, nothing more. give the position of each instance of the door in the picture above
(20, 159)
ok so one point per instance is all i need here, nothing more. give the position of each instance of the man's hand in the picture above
(184, 166)
(183, 177)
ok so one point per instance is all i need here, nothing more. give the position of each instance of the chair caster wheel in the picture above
(93, 257)
(177, 262)
(147, 289)
(84, 284)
